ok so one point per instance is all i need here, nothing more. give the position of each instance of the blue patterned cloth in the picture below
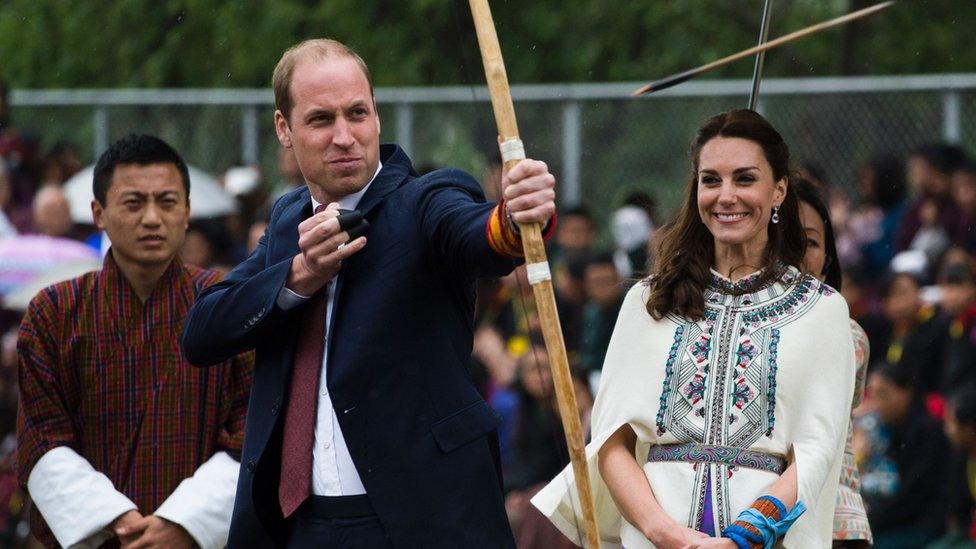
(770, 531)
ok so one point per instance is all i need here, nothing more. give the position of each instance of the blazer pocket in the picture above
(461, 427)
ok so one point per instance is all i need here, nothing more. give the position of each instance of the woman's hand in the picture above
(676, 537)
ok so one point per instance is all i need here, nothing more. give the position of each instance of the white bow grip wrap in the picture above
(537, 272)
(512, 150)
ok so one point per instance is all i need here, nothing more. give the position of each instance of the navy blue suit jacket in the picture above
(421, 437)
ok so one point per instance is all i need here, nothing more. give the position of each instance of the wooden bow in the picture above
(537, 265)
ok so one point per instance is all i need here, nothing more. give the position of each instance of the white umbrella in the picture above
(19, 299)
(207, 197)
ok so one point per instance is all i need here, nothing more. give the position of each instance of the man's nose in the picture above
(150, 215)
(342, 136)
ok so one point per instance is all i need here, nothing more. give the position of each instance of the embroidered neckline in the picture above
(750, 284)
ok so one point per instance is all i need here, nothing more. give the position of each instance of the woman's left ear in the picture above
(780, 191)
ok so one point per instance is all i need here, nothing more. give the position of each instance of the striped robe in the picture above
(102, 373)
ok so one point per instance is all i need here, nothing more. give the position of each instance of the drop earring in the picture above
(775, 217)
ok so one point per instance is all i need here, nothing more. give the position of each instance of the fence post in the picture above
(249, 136)
(570, 191)
(404, 127)
(951, 129)
(100, 121)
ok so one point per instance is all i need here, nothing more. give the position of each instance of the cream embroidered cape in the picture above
(771, 371)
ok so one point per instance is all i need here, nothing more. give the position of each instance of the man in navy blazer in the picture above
(405, 451)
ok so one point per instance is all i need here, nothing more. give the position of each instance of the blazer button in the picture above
(276, 407)
(250, 466)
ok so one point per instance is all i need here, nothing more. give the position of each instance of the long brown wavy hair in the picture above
(687, 251)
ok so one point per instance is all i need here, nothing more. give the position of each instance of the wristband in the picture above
(511, 222)
(763, 523)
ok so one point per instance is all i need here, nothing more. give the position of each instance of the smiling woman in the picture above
(729, 374)
(740, 167)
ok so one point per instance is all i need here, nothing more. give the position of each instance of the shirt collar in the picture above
(349, 202)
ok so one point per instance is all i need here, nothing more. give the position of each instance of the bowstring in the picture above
(555, 429)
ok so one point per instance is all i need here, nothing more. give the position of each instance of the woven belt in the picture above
(709, 453)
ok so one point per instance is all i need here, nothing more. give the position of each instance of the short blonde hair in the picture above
(318, 48)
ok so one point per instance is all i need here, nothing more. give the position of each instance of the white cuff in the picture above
(203, 503)
(288, 299)
(77, 502)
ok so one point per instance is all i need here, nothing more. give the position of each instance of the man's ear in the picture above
(378, 128)
(282, 129)
(98, 215)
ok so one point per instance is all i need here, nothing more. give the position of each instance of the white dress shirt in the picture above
(333, 471)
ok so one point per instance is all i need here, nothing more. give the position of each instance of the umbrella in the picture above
(207, 197)
(23, 258)
(21, 297)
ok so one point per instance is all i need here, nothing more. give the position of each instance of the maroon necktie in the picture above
(296, 450)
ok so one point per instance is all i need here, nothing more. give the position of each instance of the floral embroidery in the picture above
(700, 348)
(720, 376)
(784, 307)
(668, 373)
(746, 352)
(741, 393)
(695, 389)
(737, 337)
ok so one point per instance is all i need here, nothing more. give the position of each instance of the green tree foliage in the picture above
(232, 43)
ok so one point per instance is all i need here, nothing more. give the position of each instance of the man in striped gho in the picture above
(120, 440)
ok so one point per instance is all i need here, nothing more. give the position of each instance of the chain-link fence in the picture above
(600, 143)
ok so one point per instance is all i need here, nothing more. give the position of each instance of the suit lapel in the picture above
(396, 168)
(395, 172)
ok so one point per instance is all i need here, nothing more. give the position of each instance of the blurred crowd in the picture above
(906, 242)
(907, 246)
